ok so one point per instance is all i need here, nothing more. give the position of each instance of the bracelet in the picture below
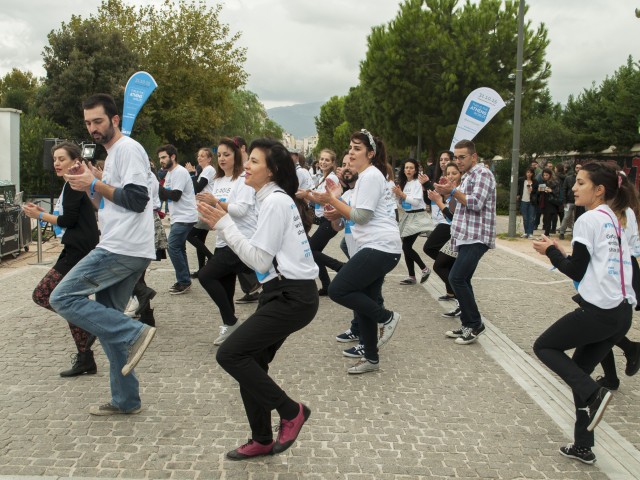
(40, 216)
(454, 190)
(92, 188)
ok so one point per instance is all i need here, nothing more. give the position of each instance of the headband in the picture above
(371, 140)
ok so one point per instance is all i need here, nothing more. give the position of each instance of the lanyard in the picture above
(618, 230)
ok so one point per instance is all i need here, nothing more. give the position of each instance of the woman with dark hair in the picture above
(600, 265)
(230, 193)
(324, 233)
(202, 183)
(414, 220)
(358, 285)
(279, 252)
(74, 222)
(528, 197)
(438, 171)
(548, 199)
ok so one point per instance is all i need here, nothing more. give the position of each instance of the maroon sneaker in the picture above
(249, 450)
(288, 430)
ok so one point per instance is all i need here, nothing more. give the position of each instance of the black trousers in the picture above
(436, 240)
(442, 267)
(318, 241)
(197, 237)
(411, 257)
(592, 331)
(285, 306)
(218, 278)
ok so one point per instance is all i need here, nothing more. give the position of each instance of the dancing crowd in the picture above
(263, 204)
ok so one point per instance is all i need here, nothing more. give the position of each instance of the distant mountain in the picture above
(298, 120)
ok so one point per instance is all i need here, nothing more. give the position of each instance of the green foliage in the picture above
(608, 114)
(82, 58)
(34, 180)
(191, 55)
(545, 134)
(421, 66)
(18, 90)
(331, 117)
(248, 118)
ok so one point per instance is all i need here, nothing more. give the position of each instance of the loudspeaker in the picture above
(47, 155)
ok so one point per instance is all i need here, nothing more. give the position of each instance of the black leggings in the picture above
(436, 240)
(196, 237)
(285, 306)
(318, 241)
(442, 267)
(410, 255)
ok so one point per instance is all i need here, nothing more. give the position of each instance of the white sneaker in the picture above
(133, 305)
(225, 331)
(387, 329)
(364, 366)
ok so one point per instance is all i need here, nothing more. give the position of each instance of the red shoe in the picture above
(249, 450)
(288, 430)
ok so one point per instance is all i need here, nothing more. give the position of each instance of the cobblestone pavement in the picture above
(435, 409)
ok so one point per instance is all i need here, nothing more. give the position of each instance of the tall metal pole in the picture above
(515, 151)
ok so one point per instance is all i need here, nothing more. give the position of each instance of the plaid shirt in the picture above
(475, 222)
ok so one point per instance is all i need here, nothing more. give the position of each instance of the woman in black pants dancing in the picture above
(280, 254)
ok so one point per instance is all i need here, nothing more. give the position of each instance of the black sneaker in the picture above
(608, 383)
(179, 288)
(470, 335)
(249, 298)
(347, 336)
(597, 407)
(633, 360)
(323, 292)
(195, 274)
(453, 313)
(354, 352)
(454, 333)
(584, 454)
(446, 298)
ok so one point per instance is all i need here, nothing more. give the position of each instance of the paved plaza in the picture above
(435, 410)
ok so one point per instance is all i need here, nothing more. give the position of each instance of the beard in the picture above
(106, 137)
(348, 176)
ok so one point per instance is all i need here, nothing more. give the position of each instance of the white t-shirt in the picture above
(58, 211)
(154, 188)
(415, 199)
(123, 231)
(305, 182)
(372, 192)
(321, 188)
(237, 192)
(183, 210)
(280, 233)
(601, 284)
(392, 198)
(348, 225)
(209, 173)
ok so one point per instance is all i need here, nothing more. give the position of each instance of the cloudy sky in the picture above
(302, 51)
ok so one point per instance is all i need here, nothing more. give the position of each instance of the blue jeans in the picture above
(178, 250)
(460, 279)
(111, 277)
(528, 210)
(358, 286)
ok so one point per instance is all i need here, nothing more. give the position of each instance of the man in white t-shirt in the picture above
(178, 191)
(121, 193)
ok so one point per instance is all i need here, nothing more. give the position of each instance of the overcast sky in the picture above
(302, 51)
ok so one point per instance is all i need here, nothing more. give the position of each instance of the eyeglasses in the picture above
(460, 157)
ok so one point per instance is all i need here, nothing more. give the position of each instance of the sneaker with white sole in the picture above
(408, 281)
(138, 348)
(110, 409)
(179, 288)
(387, 329)
(454, 333)
(584, 454)
(597, 407)
(364, 366)
(456, 312)
(425, 275)
(354, 352)
(470, 335)
(130, 311)
(225, 331)
(347, 336)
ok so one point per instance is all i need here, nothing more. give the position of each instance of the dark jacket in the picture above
(546, 199)
(567, 189)
(534, 190)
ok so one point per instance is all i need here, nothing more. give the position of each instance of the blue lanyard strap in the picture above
(618, 230)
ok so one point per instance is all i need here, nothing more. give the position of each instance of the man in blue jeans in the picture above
(121, 193)
(178, 191)
(473, 232)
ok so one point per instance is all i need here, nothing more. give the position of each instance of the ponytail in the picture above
(375, 145)
(619, 194)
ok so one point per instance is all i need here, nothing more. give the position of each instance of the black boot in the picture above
(144, 296)
(147, 317)
(83, 362)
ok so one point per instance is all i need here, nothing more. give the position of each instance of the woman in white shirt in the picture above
(415, 220)
(198, 234)
(279, 252)
(358, 285)
(324, 233)
(600, 266)
(229, 191)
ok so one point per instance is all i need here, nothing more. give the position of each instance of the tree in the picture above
(420, 67)
(18, 90)
(330, 118)
(82, 58)
(191, 55)
(545, 134)
(248, 118)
